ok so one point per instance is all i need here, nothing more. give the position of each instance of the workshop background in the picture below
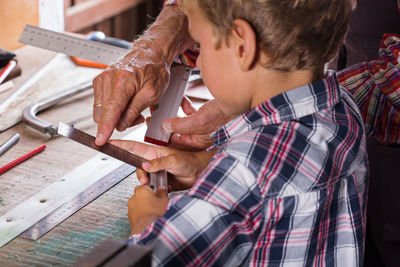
(44, 74)
(117, 18)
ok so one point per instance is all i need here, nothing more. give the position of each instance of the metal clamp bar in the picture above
(29, 115)
(9, 144)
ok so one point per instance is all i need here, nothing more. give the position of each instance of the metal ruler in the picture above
(37, 230)
(108, 149)
(71, 45)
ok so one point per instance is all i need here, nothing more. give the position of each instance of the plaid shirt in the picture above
(287, 187)
(375, 86)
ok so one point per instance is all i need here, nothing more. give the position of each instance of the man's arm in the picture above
(137, 81)
(375, 86)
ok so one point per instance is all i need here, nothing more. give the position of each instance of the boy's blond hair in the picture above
(296, 34)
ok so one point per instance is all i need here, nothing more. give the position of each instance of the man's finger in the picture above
(97, 91)
(187, 106)
(184, 125)
(143, 99)
(140, 119)
(109, 117)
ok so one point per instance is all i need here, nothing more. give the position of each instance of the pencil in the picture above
(7, 69)
(22, 159)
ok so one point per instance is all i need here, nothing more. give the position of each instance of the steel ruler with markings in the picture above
(57, 216)
(71, 45)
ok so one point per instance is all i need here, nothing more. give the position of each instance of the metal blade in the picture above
(108, 149)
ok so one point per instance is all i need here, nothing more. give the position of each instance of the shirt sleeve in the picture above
(375, 86)
(189, 56)
(211, 224)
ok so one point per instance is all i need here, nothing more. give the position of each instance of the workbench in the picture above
(104, 218)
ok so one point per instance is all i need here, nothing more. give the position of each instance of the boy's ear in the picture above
(244, 43)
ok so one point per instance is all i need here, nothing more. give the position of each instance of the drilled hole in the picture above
(42, 201)
(9, 220)
(104, 158)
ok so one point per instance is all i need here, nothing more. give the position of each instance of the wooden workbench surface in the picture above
(104, 218)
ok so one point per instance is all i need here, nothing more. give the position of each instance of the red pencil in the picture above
(7, 69)
(21, 159)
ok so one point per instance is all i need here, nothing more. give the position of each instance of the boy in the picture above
(286, 183)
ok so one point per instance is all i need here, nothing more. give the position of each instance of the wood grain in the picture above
(87, 13)
(14, 14)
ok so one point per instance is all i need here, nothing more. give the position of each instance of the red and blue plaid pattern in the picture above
(375, 86)
(286, 188)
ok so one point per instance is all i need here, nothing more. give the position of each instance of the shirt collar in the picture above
(290, 105)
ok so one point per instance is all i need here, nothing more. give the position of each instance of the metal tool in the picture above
(9, 144)
(108, 149)
(29, 115)
(157, 179)
(81, 200)
(71, 45)
(99, 36)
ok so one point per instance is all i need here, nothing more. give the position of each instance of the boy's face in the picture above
(218, 66)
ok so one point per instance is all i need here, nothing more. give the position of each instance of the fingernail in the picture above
(99, 138)
(167, 127)
(146, 165)
(142, 181)
(124, 125)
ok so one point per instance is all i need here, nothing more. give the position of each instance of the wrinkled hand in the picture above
(193, 132)
(184, 167)
(124, 90)
(145, 207)
(137, 81)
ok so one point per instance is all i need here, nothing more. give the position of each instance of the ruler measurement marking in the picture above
(71, 45)
(69, 208)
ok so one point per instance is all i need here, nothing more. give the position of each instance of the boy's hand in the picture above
(184, 166)
(145, 207)
(193, 132)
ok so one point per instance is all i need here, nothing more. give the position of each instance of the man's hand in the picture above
(137, 81)
(124, 91)
(193, 132)
(145, 207)
(184, 167)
